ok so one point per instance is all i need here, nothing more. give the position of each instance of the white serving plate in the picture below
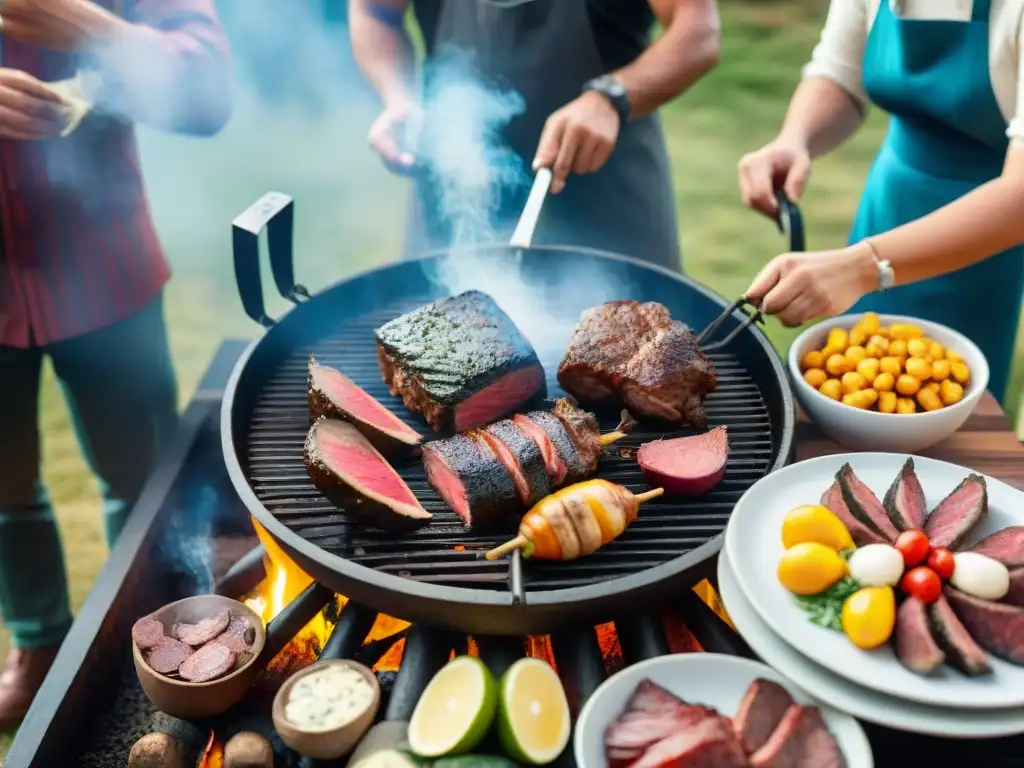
(863, 703)
(754, 540)
(710, 679)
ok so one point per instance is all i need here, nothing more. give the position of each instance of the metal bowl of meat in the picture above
(197, 657)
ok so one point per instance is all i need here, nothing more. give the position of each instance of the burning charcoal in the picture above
(156, 750)
(208, 663)
(248, 750)
(147, 633)
(203, 632)
(167, 655)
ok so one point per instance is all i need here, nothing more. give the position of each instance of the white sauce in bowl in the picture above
(328, 698)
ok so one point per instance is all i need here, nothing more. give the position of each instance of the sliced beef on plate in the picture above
(760, 712)
(471, 479)
(961, 651)
(1006, 546)
(1016, 594)
(802, 740)
(709, 743)
(147, 632)
(904, 501)
(915, 646)
(864, 504)
(350, 472)
(522, 459)
(633, 354)
(996, 627)
(461, 362)
(202, 631)
(952, 521)
(832, 499)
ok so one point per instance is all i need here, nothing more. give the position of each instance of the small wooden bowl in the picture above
(330, 743)
(194, 701)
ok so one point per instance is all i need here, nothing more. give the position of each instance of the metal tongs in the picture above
(522, 237)
(791, 223)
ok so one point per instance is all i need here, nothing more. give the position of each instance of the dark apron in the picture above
(545, 50)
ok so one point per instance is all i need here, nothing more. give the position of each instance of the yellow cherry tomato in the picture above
(853, 382)
(887, 402)
(869, 616)
(918, 368)
(809, 568)
(905, 405)
(817, 524)
(813, 359)
(837, 365)
(815, 377)
(832, 388)
(884, 382)
(891, 365)
(950, 392)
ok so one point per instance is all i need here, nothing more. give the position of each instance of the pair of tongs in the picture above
(789, 222)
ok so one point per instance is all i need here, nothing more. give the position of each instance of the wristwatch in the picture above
(614, 91)
(886, 274)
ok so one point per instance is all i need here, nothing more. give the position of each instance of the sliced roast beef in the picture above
(1006, 546)
(864, 504)
(762, 709)
(709, 743)
(460, 361)
(904, 501)
(916, 649)
(471, 479)
(961, 651)
(862, 535)
(350, 472)
(553, 463)
(522, 459)
(802, 740)
(952, 521)
(996, 627)
(1016, 594)
(147, 633)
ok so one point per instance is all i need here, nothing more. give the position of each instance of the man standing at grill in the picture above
(591, 86)
(82, 274)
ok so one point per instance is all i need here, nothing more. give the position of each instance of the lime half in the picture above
(533, 714)
(455, 711)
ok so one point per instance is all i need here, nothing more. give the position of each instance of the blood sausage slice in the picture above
(204, 631)
(168, 655)
(147, 633)
(208, 663)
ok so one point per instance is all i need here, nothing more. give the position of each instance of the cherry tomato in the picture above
(914, 546)
(923, 583)
(941, 561)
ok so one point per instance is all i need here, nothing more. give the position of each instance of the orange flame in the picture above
(213, 754)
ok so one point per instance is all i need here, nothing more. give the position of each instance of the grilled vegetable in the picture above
(576, 521)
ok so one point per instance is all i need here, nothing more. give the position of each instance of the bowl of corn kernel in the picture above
(886, 382)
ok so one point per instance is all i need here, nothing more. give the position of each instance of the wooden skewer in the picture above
(611, 437)
(648, 495)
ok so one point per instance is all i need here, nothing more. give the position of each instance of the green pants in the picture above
(120, 388)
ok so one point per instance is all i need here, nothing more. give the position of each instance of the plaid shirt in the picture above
(79, 249)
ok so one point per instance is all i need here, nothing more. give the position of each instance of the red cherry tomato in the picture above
(941, 561)
(923, 583)
(914, 546)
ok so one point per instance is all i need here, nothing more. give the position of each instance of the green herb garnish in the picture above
(826, 608)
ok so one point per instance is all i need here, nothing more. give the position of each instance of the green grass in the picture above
(350, 212)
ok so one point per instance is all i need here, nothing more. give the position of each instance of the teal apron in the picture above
(946, 137)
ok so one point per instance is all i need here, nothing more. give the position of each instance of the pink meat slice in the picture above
(862, 500)
(952, 521)
(553, 463)
(1016, 594)
(832, 499)
(235, 643)
(354, 400)
(710, 743)
(500, 397)
(1006, 546)
(204, 631)
(168, 655)
(208, 663)
(147, 633)
(801, 741)
(996, 627)
(762, 709)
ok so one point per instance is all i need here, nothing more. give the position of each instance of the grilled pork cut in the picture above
(762, 709)
(1006, 546)
(461, 362)
(633, 354)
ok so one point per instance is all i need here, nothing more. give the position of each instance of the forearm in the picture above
(821, 116)
(382, 49)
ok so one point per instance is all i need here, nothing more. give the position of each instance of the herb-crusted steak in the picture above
(461, 362)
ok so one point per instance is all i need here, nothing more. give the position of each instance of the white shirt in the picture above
(840, 53)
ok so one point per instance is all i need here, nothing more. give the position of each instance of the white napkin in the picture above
(78, 95)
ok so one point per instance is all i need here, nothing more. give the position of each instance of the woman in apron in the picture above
(939, 230)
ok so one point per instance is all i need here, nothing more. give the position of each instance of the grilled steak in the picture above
(801, 741)
(460, 361)
(916, 649)
(760, 712)
(996, 627)
(864, 505)
(585, 433)
(1006, 546)
(904, 501)
(832, 499)
(709, 743)
(962, 652)
(952, 521)
(552, 441)
(333, 394)
(350, 472)
(1016, 594)
(470, 478)
(521, 458)
(625, 352)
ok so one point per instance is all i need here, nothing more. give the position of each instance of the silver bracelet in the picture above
(886, 274)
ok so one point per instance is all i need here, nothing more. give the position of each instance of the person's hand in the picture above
(801, 286)
(578, 138)
(777, 165)
(57, 24)
(386, 135)
(28, 109)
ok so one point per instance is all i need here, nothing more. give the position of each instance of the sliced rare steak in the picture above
(801, 741)
(962, 652)
(460, 361)
(709, 743)
(350, 472)
(862, 535)
(147, 633)
(202, 631)
(762, 709)
(1006, 546)
(333, 394)
(864, 505)
(554, 428)
(521, 458)
(996, 627)
(553, 463)
(1016, 594)
(952, 521)
(471, 479)
(904, 501)
(916, 648)
(583, 428)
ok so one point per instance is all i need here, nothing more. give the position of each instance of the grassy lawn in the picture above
(349, 212)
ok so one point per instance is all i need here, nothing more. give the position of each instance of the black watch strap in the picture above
(613, 90)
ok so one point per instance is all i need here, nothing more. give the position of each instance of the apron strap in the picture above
(980, 10)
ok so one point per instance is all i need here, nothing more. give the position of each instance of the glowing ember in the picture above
(213, 754)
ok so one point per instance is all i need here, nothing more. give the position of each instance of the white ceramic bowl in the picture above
(873, 431)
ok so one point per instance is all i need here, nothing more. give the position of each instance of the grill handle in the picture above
(790, 222)
(274, 212)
